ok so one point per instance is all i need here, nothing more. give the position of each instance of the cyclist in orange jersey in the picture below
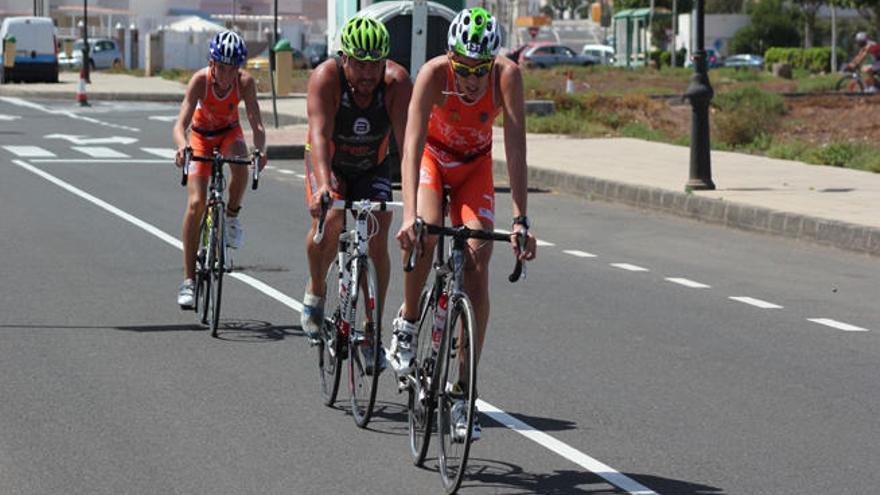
(211, 106)
(455, 100)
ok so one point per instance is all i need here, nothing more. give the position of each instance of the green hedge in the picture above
(814, 60)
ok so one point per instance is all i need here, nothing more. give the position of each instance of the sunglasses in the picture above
(361, 54)
(465, 70)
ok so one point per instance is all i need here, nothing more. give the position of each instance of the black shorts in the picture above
(373, 184)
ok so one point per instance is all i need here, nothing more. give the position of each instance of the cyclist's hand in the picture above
(406, 236)
(315, 201)
(530, 250)
(262, 162)
(180, 156)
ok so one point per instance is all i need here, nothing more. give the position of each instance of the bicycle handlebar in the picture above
(327, 203)
(462, 232)
(190, 157)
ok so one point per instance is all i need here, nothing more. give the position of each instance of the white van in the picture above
(36, 49)
(604, 53)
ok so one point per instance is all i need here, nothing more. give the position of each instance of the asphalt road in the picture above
(621, 380)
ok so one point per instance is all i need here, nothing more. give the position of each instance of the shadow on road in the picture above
(539, 423)
(507, 477)
(255, 331)
(131, 328)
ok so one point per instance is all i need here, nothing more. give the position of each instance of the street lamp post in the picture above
(700, 93)
(85, 49)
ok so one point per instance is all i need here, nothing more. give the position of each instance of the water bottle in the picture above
(439, 322)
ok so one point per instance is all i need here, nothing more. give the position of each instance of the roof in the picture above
(195, 24)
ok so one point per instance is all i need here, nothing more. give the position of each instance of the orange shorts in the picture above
(472, 188)
(204, 146)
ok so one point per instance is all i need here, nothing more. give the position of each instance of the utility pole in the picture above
(419, 37)
(272, 63)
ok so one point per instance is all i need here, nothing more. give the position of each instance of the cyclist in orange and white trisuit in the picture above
(211, 106)
(455, 100)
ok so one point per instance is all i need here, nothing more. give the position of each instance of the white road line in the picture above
(285, 171)
(629, 267)
(300, 176)
(608, 473)
(9, 118)
(538, 241)
(99, 160)
(756, 302)
(688, 283)
(100, 152)
(846, 327)
(163, 118)
(161, 152)
(270, 167)
(29, 151)
(28, 104)
(580, 254)
(566, 451)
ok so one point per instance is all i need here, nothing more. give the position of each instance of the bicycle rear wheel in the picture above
(329, 355)
(457, 367)
(365, 345)
(217, 268)
(421, 400)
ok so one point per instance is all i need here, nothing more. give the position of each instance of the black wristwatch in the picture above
(522, 220)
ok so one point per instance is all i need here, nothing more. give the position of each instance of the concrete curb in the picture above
(852, 237)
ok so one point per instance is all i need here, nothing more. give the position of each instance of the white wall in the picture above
(719, 30)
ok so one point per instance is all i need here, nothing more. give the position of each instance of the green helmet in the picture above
(474, 33)
(365, 38)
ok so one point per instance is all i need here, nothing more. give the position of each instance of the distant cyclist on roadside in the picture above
(456, 98)
(867, 47)
(354, 102)
(211, 106)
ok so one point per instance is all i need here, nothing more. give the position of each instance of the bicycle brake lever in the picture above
(184, 173)
(256, 178)
(325, 204)
(418, 226)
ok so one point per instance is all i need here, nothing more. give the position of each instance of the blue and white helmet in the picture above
(227, 48)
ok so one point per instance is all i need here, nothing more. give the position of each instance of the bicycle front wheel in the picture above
(365, 344)
(204, 262)
(329, 344)
(217, 268)
(457, 392)
(421, 400)
(850, 84)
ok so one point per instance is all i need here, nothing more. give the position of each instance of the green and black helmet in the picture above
(475, 33)
(365, 38)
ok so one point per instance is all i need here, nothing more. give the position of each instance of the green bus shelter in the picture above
(632, 38)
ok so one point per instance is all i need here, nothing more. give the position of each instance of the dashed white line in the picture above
(28, 104)
(100, 152)
(568, 452)
(100, 160)
(687, 283)
(161, 152)
(538, 241)
(579, 254)
(9, 118)
(285, 171)
(846, 327)
(163, 118)
(29, 151)
(756, 302)
(300, 176)
(629, 267)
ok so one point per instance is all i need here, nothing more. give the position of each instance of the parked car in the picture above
(36, 50)
(261, 61)
(517, 54)
(713, 60)
(104, 53)
(552, 55)
(604, 53)
(316, 54)
(745, 60)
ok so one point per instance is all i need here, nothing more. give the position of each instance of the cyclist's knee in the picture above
(196, 205)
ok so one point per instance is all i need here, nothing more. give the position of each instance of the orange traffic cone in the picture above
(81, 89)
(569, 84)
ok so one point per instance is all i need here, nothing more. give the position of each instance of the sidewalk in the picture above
(824, 205)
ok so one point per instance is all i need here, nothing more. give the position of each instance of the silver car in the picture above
(104, 53)
(551, 55)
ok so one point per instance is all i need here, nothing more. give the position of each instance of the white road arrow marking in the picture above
(83, 140)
